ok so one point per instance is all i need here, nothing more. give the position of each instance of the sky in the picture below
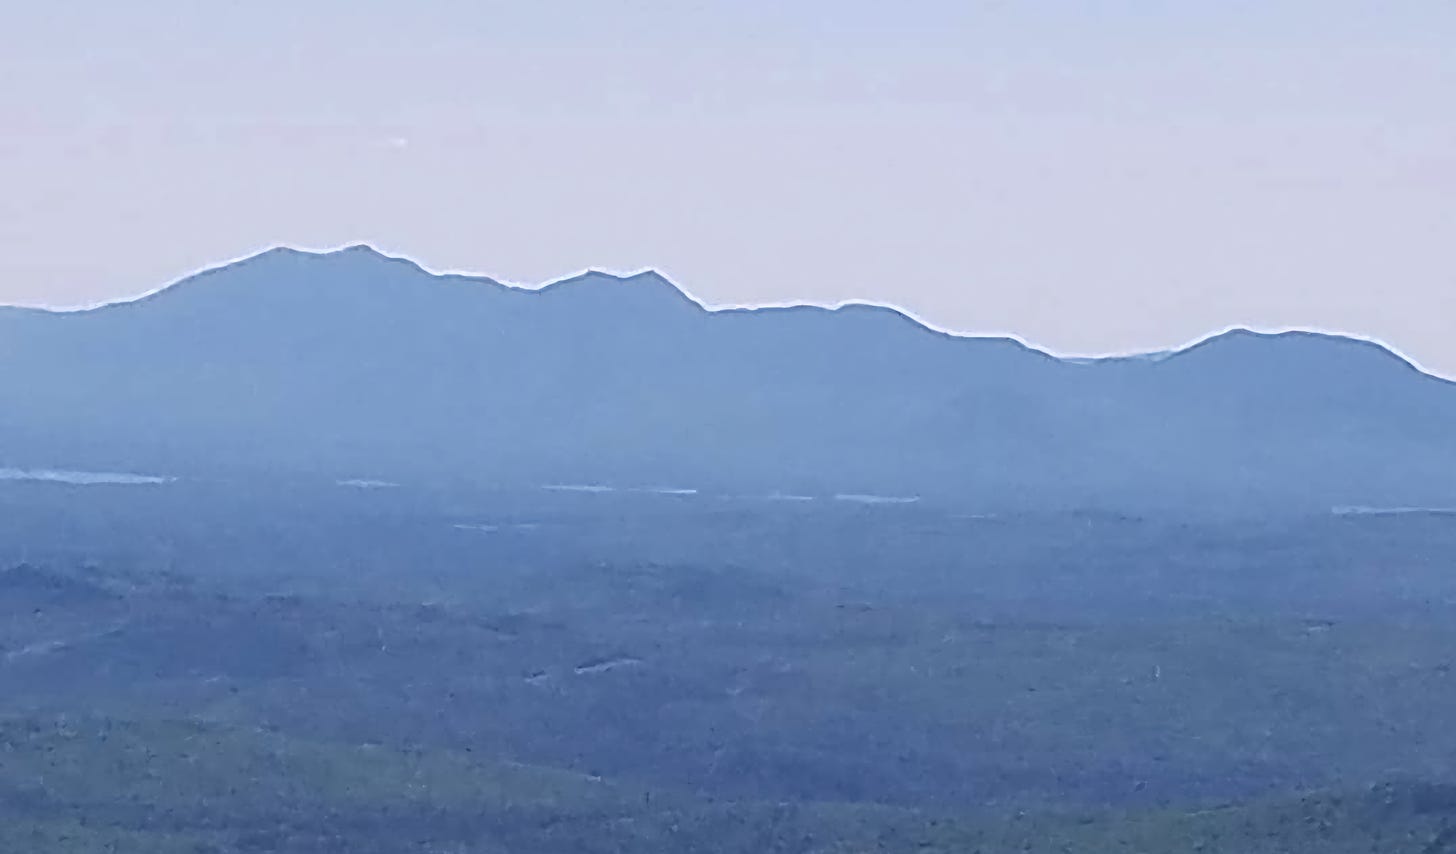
(1092, 177)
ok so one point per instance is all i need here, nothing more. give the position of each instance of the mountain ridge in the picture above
(367, 253)
(353, 363)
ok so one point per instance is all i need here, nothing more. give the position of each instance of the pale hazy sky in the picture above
(1091, 176)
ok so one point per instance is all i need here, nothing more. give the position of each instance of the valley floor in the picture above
(379, 673)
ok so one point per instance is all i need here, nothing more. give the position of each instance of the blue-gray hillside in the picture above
(353, 364)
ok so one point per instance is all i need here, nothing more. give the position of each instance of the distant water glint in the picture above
(1392, 511)
(876, 499)
(486, 528)
(83, 478)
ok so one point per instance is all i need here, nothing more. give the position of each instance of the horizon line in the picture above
(623, 274)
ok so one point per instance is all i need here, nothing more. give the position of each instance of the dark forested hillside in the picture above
(193, 667)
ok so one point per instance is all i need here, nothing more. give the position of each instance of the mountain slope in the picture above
(103, 784)
(351, 363)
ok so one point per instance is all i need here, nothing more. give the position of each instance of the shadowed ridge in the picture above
(646, 284)
(651, 283)
(18, 311)
(1295, 347)
(895, 318)
(358, 258)
(652, 279)
(356, 266)
(358, 249)
(333, 363)
(361, 261)
(1005, 342)
(364, 257)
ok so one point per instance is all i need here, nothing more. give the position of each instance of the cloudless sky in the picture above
(1091, 176)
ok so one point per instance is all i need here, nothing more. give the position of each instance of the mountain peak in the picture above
(1245, 339)
(358, 249)
(642, 285)
(355, 253)
(354, 260)
(1287, 352)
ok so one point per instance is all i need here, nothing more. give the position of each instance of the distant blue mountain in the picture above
(353, 364)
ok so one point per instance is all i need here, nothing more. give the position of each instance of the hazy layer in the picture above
(1092, 178)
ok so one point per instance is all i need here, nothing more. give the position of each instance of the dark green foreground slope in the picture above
(101, 785)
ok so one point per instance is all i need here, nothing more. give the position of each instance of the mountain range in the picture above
(353, 364)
